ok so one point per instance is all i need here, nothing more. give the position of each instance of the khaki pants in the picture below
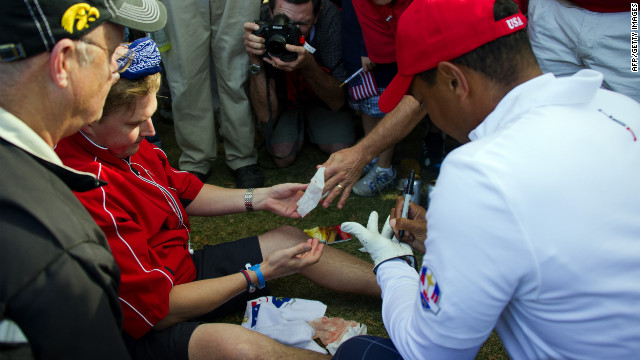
(203, 32)
(566, 39)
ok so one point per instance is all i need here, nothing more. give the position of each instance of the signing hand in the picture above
(292, 260)
(414, 226)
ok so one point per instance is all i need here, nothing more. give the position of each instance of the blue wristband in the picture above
(256, 269)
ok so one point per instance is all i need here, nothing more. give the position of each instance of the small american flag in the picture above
(363, 86)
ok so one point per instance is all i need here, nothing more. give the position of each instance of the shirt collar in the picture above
(543, 90)
(21, 135)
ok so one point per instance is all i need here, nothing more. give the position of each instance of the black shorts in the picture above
(211, 262)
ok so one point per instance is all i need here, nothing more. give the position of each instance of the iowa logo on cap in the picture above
(83, 13)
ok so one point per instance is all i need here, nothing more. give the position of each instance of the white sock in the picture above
(388, 170)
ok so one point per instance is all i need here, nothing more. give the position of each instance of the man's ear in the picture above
(62, 55)
(455, 78)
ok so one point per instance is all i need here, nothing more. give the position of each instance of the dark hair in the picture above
(315, 3)
(500, 60)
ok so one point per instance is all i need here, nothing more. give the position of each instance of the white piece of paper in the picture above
(313, 194)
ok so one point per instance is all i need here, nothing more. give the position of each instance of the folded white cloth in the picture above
(285, 320)
(313, 194)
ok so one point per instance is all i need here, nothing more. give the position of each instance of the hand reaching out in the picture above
(343, 168)
(414, 226)
(282, 199)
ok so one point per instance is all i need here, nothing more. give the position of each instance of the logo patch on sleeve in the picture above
(429, 290)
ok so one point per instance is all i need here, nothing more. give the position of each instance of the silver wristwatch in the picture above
(255, 69)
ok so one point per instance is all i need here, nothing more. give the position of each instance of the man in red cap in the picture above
(520, 235)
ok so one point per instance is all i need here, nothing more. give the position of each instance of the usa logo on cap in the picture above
(429, 290)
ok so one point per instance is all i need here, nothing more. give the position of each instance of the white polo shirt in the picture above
(533, 229)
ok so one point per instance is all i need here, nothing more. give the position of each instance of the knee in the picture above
(331, 148)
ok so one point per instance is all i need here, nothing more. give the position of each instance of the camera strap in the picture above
(272, 122)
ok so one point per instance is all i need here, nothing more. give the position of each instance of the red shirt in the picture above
(378, 24)
(141, 213)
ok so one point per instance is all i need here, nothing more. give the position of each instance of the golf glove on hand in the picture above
(381, 246)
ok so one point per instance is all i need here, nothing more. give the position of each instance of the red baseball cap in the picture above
(431, 31)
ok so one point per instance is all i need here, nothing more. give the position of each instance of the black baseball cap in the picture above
(30, 27)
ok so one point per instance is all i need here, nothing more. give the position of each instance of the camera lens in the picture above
(276, 45)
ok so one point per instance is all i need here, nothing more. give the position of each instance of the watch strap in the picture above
(248, 199)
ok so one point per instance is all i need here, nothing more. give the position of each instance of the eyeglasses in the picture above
(122, 55)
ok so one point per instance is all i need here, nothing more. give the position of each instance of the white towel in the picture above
(285, 320)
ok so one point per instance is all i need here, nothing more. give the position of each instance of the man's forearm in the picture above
(325, 86)
(393, 127)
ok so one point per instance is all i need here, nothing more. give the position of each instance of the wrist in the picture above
(259, 198)
(248, 199)
(258, 272)
(250, 283)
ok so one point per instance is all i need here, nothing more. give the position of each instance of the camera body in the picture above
(277, 33)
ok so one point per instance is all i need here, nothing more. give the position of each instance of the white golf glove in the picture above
(381, 246)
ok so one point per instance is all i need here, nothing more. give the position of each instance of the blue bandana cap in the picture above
(146, 60)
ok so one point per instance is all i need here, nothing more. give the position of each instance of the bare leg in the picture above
(385, 157)
(336, 269)
(331, 148)
(228, 341)
(280, 152)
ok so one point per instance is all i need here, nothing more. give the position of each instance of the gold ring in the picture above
(339, 186)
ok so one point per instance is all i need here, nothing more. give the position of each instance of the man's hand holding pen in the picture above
(414, 225)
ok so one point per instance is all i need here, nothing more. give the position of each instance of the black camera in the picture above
(277, 33)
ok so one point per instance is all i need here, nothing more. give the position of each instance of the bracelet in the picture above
(248, 199)
(251, 287)
(258, 272)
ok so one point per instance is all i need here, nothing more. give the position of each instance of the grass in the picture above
(231, 227)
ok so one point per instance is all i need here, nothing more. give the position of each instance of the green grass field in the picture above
(227, 228)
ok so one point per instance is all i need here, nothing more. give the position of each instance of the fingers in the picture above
(416, 212)
(309, 252)
(353, 228)
(372, 224)
(254, 45)
(414, 229)
(335, 192)
(294, 48)
(396, 212)
(345, 196)
(387, 231)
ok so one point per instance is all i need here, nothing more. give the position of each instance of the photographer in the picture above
(304, 92)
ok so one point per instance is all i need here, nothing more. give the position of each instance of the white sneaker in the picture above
(368, 168)
(374, 182)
